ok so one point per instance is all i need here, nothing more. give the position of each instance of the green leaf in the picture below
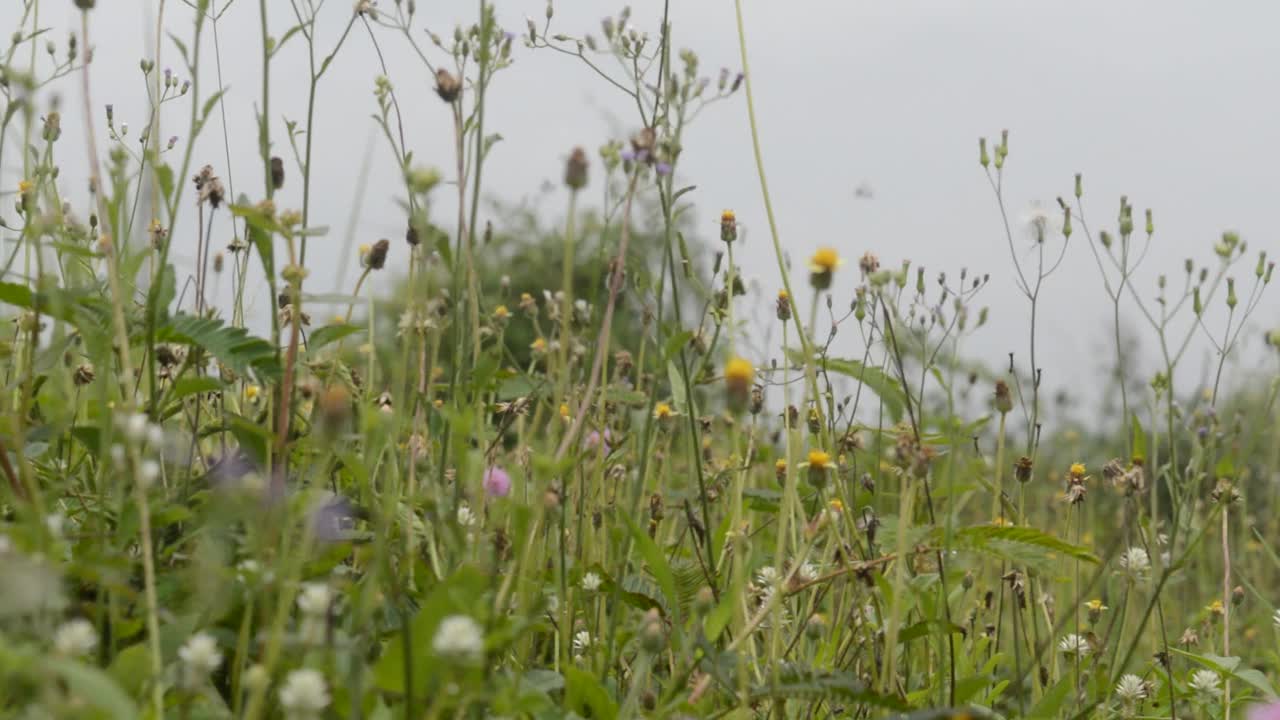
(330, 333)
(186, 387)
(254, 439)
(1230, 666)
(233, 346)
(816, 685)
(1051, 702)
(1139, 440)
(888, 389)
(987, 538)
(95, 687)
(925, 628)
(459, 594)
(657, 562)
(164, 178)
(677, 388)
(585, 695)
(211, 103)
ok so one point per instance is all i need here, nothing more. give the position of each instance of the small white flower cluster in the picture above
(581, 643)
(1073, 644)
(75, 638)
(1206, 684)
(314, 602)
(141, 433)
(591, 582)
(459, 638)
(200, 658)
(304, 695)
(1135, 563)
(767, 582)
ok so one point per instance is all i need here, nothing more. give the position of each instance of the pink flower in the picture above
(592, 441)
(497, 483)
(1265, 712)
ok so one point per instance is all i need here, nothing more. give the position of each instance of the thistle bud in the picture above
(377, 257)
(575, 171)
(1003, 398)
(1022, 469)
(783, 306)
(728, 226)
(277, 173)
(983, 159)
(1231, 293)
(448, 87)
(1151, 224)
(1262, 264)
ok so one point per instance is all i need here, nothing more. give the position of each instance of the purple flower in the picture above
(1265, 712)
(592, 441)
(628, 155)
(663, 168)
(497, 483)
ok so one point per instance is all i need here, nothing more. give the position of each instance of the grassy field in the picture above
(478, 492)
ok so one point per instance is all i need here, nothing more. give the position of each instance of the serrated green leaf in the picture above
(330, 334)
(984, 538)
(233, 346)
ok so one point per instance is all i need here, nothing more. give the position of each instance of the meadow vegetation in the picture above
(561, 470)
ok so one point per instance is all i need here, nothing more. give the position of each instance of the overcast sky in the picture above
(1168, 102)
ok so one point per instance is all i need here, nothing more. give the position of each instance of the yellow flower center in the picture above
(501, 312)
(819, 460)
(26, 186)
(738, 371)
(564, 411)
(825, 260)
(1077, 470)
(539, 345)
(251, 392)
(836, 504)
(662, 411)
(727, 217)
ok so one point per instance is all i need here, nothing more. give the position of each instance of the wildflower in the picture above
(836, 505)
(819, 463)
(1095, 609)
(376, 257)
(148, 471)
(591, 582)
(459, 637)
(448, 87)
(738, 374)
(1074, 644)
(497, 483)
(75, 638)
(1265, 712)
(822, 266)
(501, 313)
(539, 346)
(581, 641)
(208, 187)
(83, 375)
(314, 599)
(780, 469)
(728, 226)
(564, 412)
(252, 393)
(767, 577)
(1136, 563)
(663, 411)
(1215, 610)
(1003, 398)
(466, 518)
(1205, 682)
(304, 695)
(200, 657)
(1131, 689)
(1189, 638)
(783, 306)
(1077, 471)
(575, 170)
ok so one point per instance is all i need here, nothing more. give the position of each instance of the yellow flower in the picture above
(836, 505)
(662, 411)
(364, 250)
(539, 345)
(1095, 606)
(1001, 522)
(818, 460)
(1077, 470)
(783, 296)
(727, 217)
(564, 411)
(738, 374)
(825, 261)
(1215, 608)
(25, 187)
(251, 393)
(501, 312)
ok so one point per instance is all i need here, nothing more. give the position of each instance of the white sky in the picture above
(1169, 102)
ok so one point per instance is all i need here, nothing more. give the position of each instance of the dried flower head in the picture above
(448, 87)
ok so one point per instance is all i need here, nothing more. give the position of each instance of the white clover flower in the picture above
(1135, 562)
(304, 695)
(459, 637)
(136, 427)
(767, 576)
(466, 518)
(581, 641)
(1131, 689)
(1206, 682)
(75, 638)
(200, 657)
(148, 472)
(314, 600)
(591, 582)
(1074, 644)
